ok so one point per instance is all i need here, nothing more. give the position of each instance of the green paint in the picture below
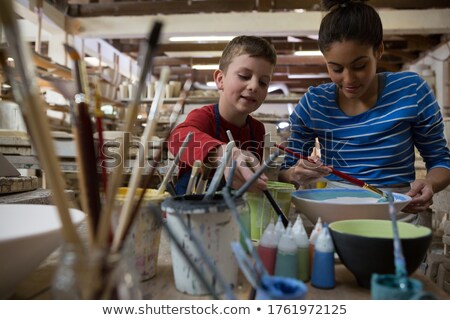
(261, 211)
(378, 229)
(303, 264)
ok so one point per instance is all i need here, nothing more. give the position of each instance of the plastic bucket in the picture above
(214, 226)
(261, 211)
(145, 235)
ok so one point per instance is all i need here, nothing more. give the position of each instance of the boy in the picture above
(243, 77)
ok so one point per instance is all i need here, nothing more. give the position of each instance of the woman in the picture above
(368, 123)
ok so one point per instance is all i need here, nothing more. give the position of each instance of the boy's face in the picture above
(245, 83)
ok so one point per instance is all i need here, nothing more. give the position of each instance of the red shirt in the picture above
(202, 122)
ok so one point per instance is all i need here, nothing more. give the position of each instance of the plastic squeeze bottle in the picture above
(286, 262)
(312, 239)
(302, 241)
(267, 248)
(322, 273)
(279, 229)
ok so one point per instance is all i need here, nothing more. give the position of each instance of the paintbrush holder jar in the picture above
(262, 212)
(142, 243)
(94, 275)
(213, 225)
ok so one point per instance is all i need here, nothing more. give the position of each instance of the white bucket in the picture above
(213, 224)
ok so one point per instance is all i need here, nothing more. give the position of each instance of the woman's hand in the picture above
(421, 193)
(305, 172)
(422, 196)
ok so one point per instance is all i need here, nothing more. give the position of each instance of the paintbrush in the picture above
(399, 258)
(126, 213)
(29, 99)
(193, 178)
(157, 157)
(338, 173)
(267, 193)
(258, 172)
(99, 124)
(174, 164)
(219, 171)
(88, 160)
(132, 111)
(201, 186)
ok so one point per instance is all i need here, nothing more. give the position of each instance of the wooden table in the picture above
(162, 287)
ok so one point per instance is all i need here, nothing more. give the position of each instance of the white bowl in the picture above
(344, 204)
(28, 234)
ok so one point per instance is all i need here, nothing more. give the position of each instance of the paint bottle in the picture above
(279, 229)
(302, 241)
(322, 273)
(267, 248)
(312, 239)
(286, 262)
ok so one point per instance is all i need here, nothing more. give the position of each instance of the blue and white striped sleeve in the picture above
(429, 130)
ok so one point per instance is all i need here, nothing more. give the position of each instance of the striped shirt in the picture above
(376, 146)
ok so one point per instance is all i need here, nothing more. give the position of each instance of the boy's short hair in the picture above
(251, 45)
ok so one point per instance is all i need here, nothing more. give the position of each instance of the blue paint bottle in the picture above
(322, 274)
(286, 263)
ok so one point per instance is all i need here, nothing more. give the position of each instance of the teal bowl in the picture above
(344, 204)
(366, 246)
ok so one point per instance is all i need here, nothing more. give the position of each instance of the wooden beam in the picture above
(254, 23)
(214, 6)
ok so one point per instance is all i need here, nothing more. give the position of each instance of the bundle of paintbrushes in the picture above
(96, 263)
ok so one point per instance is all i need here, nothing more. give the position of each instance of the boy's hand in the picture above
(246, 163)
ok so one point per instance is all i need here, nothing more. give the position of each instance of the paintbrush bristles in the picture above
(72, 52)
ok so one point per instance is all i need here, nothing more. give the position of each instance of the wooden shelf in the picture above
(202, 100)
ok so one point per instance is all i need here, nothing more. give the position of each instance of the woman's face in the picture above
(352, 67)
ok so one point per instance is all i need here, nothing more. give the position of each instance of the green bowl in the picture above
(366, 246)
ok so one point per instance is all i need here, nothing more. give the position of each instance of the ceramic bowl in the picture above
(28, 234)
(366, 246)
(343, 204)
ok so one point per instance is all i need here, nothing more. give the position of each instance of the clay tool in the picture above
(219, 171)
(174, 164)
(193, 178)
(28, 97)
(131, 116)
(229, 200)
(340, 174)
(258, 172)
(246, 265)
(88, 162)
(399, 258)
